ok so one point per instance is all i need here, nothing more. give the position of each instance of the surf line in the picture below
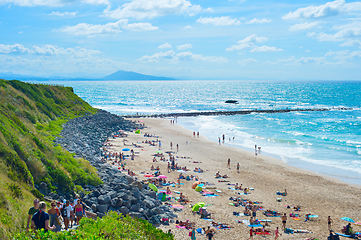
(240, 112)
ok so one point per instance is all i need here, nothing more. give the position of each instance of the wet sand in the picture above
(319, 195)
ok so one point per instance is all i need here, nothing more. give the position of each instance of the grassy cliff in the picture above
(31, 116)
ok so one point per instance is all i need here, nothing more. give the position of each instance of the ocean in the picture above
(327, 142)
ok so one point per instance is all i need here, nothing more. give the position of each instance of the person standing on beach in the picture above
(177, 147)
(193, 234)
(329, 222)
(219, 140)
(194, 134)
(171, 145)
(284, 220)
(250, 233)
(237, 167)
(229, 163)
(197, 134)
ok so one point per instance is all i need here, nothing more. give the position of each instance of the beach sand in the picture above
(319, 195)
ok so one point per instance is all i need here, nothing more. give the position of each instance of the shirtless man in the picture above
(284, 220)
(229, 162)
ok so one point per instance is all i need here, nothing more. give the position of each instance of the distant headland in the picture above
(116, 76)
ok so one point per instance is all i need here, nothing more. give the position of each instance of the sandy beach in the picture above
(318, 195)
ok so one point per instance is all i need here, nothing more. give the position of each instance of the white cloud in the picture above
(140, 27)
(184, 46)
(266, 49)
(165, 45)
(351, 43)
(46, 50)
(329, 9)
(346, 54)
(307, 51)
(246, 61)
(219, 21)
(109, 28)
(208, 10)
(63, 14)
(53, 3)
(304, 26)
(247, 42)
(347, 32)
(16, 48)
(326, 10)
(183, 56)
(256, 20)
(188, 56)
(142, 9)
(188, 27)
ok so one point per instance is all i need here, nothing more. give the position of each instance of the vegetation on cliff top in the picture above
(31, 116)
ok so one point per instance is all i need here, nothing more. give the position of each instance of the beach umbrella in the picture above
(347, 219)
(125, 149)
(194, 185)
(162, 176)
(198, 188)
(182, 171)
(158, 152)
(137, 131)
(198, 205)
(148, 175)
(153, 187)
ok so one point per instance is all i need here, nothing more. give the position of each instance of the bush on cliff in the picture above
(112, 226)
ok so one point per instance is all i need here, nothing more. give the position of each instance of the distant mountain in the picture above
(125, 75)
(119, 75)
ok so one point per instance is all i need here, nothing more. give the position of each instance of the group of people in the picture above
(66, 212)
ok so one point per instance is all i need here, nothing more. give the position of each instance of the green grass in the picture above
(31, 117)
(112, 226)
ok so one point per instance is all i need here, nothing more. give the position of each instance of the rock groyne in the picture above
(119, 192)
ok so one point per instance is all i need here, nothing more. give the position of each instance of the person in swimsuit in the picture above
(277, 234)
(329, 222)
(284, 219)
(251, 231)
(238, 167)
(78, 211)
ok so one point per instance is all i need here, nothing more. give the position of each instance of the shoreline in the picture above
(311, 167)
(314, 193)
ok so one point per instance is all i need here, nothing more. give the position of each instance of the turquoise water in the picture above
(324, 142)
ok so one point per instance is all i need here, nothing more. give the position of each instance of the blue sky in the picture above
(222, 39)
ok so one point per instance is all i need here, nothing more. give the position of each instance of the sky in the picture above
(183, 39)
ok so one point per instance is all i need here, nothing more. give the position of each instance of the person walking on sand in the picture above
(329, 222)
(284, 220)
(32, 211)
(193, 234)
(237, 167)
(171, 145)
(229, 163)
(251, 231)
(277, 233)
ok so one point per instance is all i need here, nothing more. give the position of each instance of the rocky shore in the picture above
(119, 192)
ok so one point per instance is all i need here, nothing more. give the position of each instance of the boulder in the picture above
(137, 184)
(100, 215)
(135, 214)
(124, 210)
(135, 208)
(103, 208)
(133, 200)
(149, 204)
(126, 203)
(119, 202)
(94, 207)
(103, 199)
(112, 194)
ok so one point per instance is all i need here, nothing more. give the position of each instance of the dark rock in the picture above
(148, 203)
(126, 203)
(94, 207)
(124, 210)
(112, 194)
(100, 215)
(135, 214)
(135, 208)
(133, 200)
(102, 208)
(103, 199)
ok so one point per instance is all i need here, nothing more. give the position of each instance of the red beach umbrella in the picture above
(148, 175)
(162, 176)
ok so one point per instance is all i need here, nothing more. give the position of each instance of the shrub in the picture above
(37, 194)
(15, 190)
